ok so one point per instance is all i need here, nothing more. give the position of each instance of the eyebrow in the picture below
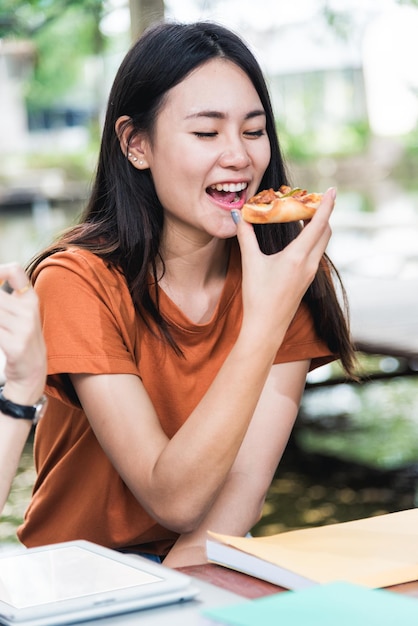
(220, 116)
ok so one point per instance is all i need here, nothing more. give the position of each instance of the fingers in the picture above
(14, 278)
(18, 304)
(323, 213)
(328, 200)
(21, 338)
(317, 232)
(245, 233)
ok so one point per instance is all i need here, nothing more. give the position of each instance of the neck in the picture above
(195, 263)
(194, 279)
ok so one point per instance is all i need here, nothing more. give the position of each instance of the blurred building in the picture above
(328, 81)
(16, 60)
(326, 87)
(62, 126)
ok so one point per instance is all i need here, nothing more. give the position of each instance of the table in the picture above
(251, 588)
(218, 586)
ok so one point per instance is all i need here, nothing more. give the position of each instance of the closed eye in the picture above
(254, 133)
(248, 133)
(199, 134)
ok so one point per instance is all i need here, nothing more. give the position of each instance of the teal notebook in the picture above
(337, 603)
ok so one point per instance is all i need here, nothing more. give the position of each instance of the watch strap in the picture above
(19, 411)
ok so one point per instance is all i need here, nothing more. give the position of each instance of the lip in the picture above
(237, 206)
(229, 206)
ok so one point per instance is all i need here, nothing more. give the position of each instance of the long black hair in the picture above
(123, 220)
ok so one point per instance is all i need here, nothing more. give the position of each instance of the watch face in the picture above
(40, 409)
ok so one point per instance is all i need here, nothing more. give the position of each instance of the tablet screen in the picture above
(35, 578)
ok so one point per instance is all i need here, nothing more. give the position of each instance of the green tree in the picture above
(64, 33)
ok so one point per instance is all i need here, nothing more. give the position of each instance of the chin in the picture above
(226, 232)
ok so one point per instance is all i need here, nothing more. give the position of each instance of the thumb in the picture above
(13, 278)
(245, 234)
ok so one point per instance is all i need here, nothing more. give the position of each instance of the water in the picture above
(354, 451)
(25, 231)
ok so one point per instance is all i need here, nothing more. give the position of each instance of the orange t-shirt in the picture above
(90, 326)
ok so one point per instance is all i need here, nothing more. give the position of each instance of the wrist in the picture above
(28, 410)
(24, 392)
(185, 556)
(257, 340)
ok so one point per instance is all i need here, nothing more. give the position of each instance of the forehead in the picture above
(218, 85)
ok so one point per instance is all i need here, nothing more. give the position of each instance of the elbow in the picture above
(179, 517)
(183, 526)
(178, 508)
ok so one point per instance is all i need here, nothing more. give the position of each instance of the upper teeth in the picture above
(230, 186)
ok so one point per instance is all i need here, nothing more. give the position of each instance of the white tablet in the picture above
(78, 580)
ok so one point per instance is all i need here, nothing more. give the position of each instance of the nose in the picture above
(235, 155)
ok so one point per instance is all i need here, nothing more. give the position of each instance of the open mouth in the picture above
(228, 194)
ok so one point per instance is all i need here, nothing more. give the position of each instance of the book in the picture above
(339, 603)
(375, 552)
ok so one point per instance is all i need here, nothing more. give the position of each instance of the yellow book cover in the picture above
(374, 552)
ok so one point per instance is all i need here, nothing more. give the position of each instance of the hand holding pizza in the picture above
(273, 285)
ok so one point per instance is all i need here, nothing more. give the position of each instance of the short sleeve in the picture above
(302, 342)
(87, 315)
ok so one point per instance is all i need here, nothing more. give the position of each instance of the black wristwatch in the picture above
(20, 411)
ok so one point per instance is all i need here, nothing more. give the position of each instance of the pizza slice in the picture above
(285, 205)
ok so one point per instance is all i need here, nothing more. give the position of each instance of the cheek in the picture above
(178, 164)
(173, 179)
(265, 155)
(261, 161)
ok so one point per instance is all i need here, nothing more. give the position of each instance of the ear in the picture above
(133, 146)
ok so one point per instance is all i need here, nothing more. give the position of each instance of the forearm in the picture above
(236, 510)
(240, 502)
(198, 458)
(14, 433)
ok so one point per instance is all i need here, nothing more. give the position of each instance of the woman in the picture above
(174, 384)
(22, 344)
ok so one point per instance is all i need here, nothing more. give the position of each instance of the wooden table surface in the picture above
(249, 587)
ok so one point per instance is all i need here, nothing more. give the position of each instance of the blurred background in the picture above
(344, 85)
